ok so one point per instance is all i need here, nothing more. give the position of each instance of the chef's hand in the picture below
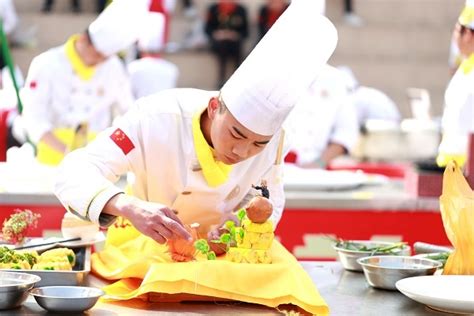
(151, 219)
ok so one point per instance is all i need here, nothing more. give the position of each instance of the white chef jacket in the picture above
(149, 75)
(8, 16)
(164, 162)
(324, 115)
(371, 103)
(55, 97)
(458, 115)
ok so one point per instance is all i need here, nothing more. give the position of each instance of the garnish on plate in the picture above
(16, 227)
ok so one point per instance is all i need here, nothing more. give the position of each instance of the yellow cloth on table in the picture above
(142, 266)
(457, 210)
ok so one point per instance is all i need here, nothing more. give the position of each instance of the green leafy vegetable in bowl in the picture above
(355, 246)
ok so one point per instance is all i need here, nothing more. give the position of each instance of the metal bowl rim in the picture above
(32, 278)
(435, 264)
(34, 291)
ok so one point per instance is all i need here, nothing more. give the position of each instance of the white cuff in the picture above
(97, 205)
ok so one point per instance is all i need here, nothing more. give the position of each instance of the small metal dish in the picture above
(349, 257)
(384, 271)
(66, 298)
(14, 287)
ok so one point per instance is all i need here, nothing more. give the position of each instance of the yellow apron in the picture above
(49, 156)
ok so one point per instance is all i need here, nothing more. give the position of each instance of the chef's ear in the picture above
(213, 107)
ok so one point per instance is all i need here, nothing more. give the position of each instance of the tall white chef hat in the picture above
(467, 15)
(151, 38)
(280, 69)
(118, 26)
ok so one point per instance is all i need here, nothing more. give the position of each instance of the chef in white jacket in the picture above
(80, 83)
(323, 124)
(151, 73)
(458, 115)
(199, 152)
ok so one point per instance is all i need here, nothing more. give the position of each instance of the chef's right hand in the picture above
(151, 219)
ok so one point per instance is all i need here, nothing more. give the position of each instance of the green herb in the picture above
(241, 214)
(202, 246)
(355, 246)
(440, 257)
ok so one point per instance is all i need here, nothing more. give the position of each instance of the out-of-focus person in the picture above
(458, 115)
(227, 28)
(370, 103)
(269, 12)
(151, 73)
(9, 20)
(323, 125)
(82, 84)
(48, 6)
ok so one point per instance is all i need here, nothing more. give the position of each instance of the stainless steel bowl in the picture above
(349, 258)
(66, 298)
(14, 287)
(384, 271)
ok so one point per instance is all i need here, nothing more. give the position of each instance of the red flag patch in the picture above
(122, 141)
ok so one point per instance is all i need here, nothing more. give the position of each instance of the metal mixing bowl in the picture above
(14, 287)
(349, 258)
(384, 271)
(66, 298)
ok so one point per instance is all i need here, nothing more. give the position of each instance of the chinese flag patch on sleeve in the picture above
(122, 141)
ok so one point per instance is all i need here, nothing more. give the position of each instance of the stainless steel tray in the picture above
(75, 277)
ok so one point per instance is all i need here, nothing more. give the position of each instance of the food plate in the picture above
(75, 277)
(446, 293)
(323, 180)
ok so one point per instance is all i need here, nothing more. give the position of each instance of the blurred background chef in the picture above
(151, 73)
(323, 124)
(81, 85)
(458, 115)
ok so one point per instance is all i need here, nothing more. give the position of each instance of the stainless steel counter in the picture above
(346, 293)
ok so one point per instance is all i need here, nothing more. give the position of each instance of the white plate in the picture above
(99, 237)
(317, 179)
(447, 293)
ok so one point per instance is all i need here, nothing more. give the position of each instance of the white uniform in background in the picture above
(8, 16)
(324, 115)
(371, 103)
(458, 114)
(55, 97)
(151, 74)
(155, 139)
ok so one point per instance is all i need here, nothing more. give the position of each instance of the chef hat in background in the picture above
(350, 81)
(467, 15)
(280, 69)
(118, 26)
(151, 38)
